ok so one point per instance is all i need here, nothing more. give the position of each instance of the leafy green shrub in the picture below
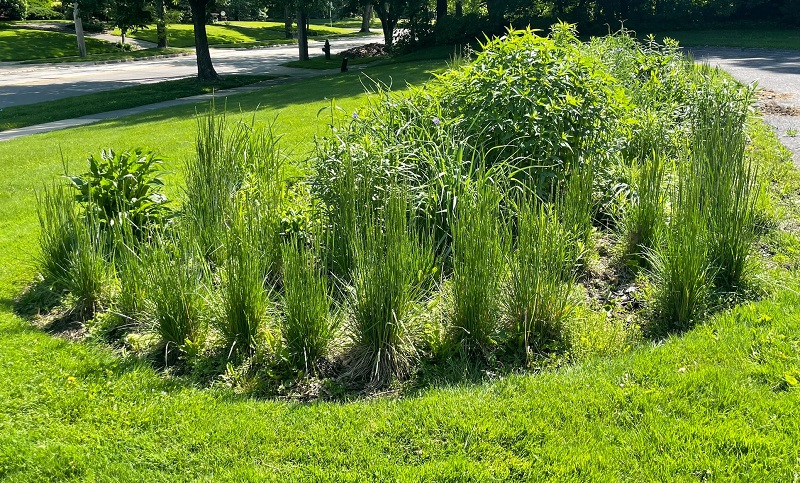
(123, 187)
(387, 261)
(479, 250)
(534, 99)
(308, 326)
(42, 10)
(539, 298)
(14, 9)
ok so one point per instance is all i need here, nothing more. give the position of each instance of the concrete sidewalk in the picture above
(300, 74)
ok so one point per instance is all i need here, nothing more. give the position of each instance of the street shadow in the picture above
(777, 61)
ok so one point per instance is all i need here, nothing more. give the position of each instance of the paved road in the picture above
(778, 73)
(26, 84)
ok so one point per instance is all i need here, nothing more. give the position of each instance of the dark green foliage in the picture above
(13, 9)
(123, 188)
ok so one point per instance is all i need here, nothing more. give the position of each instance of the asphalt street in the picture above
(22, 84)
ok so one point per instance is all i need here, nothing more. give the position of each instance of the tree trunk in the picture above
(287, 21)
(441, 9)
(205, 69)
(387, 22)
(122, 36)
(161, 24)
(161, 33)
(367, 16)
(388, 33)
(459, 8)
(302, 35)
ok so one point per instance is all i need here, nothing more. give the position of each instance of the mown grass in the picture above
(25, 44)
(761, 38)
(716, 403)
(139, 95)
(182, 35)
(112, 56)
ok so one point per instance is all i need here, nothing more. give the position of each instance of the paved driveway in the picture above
(777, 73)
(27, 83)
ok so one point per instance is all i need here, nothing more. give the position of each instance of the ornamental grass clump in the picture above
(644, 219)
(89, 271)
(681, 266)
(244, 295)
(730, 181)
(539, 294)
(308, 326)
(56, 209)
(176, 271)
(387, 258)
(230, 159)
(73, 250)
(479, 250)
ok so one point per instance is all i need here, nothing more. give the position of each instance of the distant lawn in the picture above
(25, 44)
(118, 55)
(182, 35)
(127, 97)
(764, 38)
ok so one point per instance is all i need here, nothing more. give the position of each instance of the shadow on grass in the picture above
(288, 93)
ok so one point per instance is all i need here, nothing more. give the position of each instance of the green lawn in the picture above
(764, 38)
(182, 35)
(126, 97)
(116, 55)
(25, 44)
(715, 404)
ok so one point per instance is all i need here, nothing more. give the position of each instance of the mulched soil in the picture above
(368, 50)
